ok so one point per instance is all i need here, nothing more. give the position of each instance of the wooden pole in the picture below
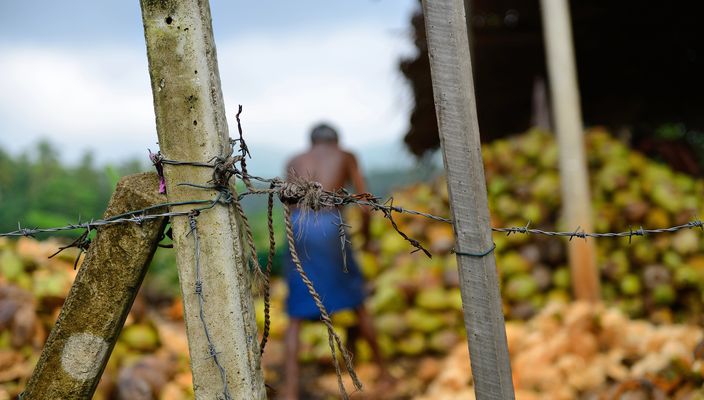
(567, 113)
(455, 106)
(78, 348)
(191, 124)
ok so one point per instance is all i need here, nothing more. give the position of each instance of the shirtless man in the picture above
(318, 245)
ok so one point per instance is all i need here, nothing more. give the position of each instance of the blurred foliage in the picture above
(37, 189)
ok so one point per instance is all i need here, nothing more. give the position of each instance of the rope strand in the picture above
(333, 338)
(267, 275)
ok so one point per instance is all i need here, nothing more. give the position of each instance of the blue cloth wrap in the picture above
(318, 244)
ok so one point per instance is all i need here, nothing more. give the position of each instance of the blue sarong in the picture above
(317, 241)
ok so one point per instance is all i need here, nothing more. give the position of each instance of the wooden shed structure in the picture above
(640, 68)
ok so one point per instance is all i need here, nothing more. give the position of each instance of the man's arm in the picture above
(355, 174)
(360, 186)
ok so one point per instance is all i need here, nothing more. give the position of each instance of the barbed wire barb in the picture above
(344, 242)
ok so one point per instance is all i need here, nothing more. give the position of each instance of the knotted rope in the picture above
(307, 195)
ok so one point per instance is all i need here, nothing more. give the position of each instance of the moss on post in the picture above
(191, 124)
(91, 319)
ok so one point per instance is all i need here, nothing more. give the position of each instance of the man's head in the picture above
(323, 133)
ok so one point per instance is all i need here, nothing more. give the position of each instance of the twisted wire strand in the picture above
(140, 216)
(244, 151)
(212, 352)
(134, 216)
(696, 223)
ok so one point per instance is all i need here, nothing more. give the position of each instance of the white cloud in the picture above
(95, 98)
(348, 77)
(101, 99)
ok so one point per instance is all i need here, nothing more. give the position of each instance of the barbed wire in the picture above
(584, 235)
(140, 215)
(198, 286)
(308, 195)
(135, 216)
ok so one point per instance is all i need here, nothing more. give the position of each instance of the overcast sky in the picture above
(76, 73)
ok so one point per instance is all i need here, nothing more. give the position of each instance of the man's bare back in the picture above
(328, 164)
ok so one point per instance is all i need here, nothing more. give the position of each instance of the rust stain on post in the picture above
(75, 354)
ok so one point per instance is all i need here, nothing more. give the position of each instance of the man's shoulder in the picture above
(349, 156)
(296, 158)
(297, 162)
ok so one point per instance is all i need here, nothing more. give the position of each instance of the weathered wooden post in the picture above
(455, 106)
(564, 90)
(79, 346)
(191, 124)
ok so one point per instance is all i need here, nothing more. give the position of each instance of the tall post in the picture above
(191, 125)
(564, 90)
(80, 344)
(455, 106)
